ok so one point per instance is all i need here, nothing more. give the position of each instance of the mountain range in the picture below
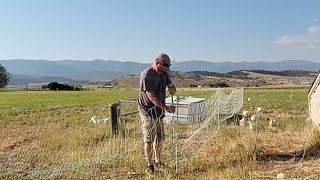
(37, 71)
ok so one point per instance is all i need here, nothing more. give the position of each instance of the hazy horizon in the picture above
(212, 61)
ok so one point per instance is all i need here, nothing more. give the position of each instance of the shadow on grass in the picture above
(312, 151)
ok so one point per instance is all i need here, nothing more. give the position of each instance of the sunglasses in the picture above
(166, 65)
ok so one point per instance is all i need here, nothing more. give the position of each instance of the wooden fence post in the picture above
(114, 115)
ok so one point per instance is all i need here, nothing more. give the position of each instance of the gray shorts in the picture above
(152, 128)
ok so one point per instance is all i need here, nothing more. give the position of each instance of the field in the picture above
(47, 134)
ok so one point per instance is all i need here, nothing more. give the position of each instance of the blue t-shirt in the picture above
(150, 80)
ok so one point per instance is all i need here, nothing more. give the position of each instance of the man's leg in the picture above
(148, 152)
(157, 144)
(157, 147)
(149, 133)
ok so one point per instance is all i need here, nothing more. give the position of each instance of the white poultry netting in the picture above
(191, 137)
(187, 130)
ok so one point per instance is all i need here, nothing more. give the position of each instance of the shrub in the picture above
(62, 87)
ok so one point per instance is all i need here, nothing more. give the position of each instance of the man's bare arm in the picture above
(156, 101)
(172, 89)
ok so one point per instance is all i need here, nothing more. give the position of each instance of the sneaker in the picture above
(150, 170)
(159, 165)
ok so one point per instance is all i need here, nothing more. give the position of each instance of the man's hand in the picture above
(170, 109)
(172, 89)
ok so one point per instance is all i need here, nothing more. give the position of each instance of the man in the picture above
(152, 107)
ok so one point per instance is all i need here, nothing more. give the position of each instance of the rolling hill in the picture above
(105, 70)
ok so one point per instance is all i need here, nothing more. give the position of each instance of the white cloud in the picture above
(314, 29)
(310, 39)
(305, 40)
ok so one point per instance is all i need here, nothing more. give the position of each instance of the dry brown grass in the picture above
(231, 154)
(48, 139)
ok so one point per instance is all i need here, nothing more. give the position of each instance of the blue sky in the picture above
(136, 30)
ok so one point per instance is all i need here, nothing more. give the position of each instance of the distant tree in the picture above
(193, 85)
(208, 73)
(67, 87)
(62, 87)
(222, 84)
(44, 86)
(4, 77)
(53, 86)
(211, 85)
(78, 88)
(218, 84)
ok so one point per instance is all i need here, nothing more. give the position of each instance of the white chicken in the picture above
(104, 120)
(273, 123)
(242, 122)
(259, 109)
(253, 126)
(94, 119)
(245, 113)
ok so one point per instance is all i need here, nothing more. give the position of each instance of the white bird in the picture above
(249, 99)
(273, 123)
(104, 120)
(242, 122)
(281, 176)
(245, 113)
(259, 109)
(253, 117)
(94, 119)
(253, 127)
(169, 120)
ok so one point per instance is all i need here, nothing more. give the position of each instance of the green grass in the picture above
(40, 99)
(49, 131)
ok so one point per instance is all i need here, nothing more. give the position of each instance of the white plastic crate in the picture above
(188, 110)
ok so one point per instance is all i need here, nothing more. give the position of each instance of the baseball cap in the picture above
(164, 58)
